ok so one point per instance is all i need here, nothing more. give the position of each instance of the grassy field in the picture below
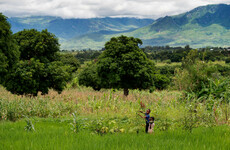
(84, 119)
(56, 134)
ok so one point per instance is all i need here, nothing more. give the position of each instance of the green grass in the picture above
(109, 109)
(56, 134)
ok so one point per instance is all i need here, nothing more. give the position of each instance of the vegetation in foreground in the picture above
(111, 110)
(56, 134)
(83, 118)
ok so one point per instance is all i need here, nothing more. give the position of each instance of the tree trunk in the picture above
(126, 91)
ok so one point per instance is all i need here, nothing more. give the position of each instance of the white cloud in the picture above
(101, 8)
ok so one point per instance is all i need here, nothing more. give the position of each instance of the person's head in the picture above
(151, 119)
(148, 111)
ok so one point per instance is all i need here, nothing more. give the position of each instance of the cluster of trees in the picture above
(202, 79)
(111, 70)
(30, 61)
(87, 55)
(122, 65)
(151, 49)
(166, 53)
(176, 54)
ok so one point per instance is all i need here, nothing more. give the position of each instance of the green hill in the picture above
(203, 26)
(66, 29)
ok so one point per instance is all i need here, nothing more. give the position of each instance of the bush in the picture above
(89, 78)
(227, 61)
(194, 73)
(69, 59)
(161, 81)
(167, 69)
(193, 77)
(168, 61)
(223, 69)
(218, 89)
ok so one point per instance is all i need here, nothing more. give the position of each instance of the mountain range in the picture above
(203, 26)
(66, 29)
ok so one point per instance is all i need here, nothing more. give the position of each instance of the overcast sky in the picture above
(101, 8)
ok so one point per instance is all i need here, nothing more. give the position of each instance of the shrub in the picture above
(167, 69)
(227, 61)
(69, 59)
(223, 69)
(168, 61)
(194, 77)
(89, 78)
(218, 89)
(194, 73)
(161, 81)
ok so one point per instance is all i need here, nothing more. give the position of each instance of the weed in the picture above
(29, 125)
(76, 126)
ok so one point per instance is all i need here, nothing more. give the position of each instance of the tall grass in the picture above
(170, 108)
(84, 119)
(84, 100)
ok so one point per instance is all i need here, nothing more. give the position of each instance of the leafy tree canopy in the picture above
(124, 65)
(89, 77)
(39, 45)
(38, 68)
(71, 60)
(9, 53)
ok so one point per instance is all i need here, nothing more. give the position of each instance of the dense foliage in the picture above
(9, 53)
(34, 67)
(175, 54)
(89, 77)
(202, 79)
(70, 60)
(166, 54)
(87, 55)
(35, 44)
(124, 65)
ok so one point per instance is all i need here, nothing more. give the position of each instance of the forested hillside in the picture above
(203, 26)
(66, 29)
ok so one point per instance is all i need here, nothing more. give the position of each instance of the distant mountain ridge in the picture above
(203, 26)
(66, 29)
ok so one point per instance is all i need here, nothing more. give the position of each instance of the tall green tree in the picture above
(38, 68)
(9, 53)
(39, 45)
(124, 65)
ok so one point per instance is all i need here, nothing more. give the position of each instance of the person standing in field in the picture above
(146, 117)
(151, 125)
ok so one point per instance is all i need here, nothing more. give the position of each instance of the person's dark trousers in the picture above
(146, 127)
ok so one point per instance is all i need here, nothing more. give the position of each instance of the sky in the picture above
(101, 8)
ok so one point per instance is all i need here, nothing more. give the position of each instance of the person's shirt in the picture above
(150, 128)
(147, 117)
